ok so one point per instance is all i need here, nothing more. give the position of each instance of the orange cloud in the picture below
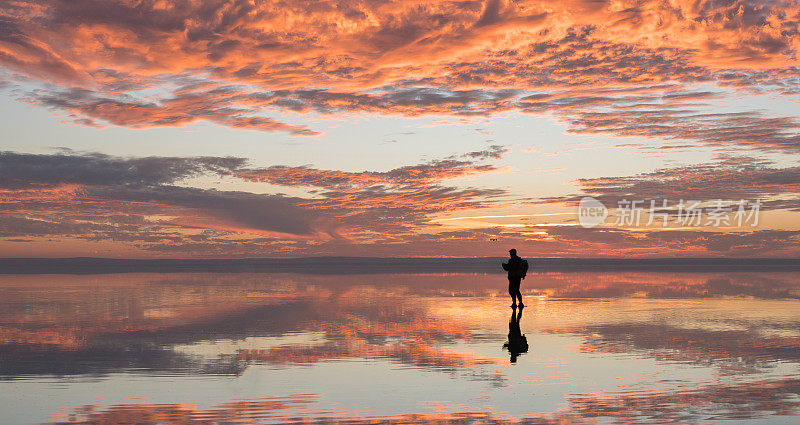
(138, 201)
(237, 63)
(729, 178)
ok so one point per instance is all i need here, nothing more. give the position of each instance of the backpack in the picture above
(521, 269)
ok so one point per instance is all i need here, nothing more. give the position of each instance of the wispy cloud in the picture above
(143, 201)
(729, 178)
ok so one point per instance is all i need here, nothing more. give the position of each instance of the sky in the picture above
(228, 128)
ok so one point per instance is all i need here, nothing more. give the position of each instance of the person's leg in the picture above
(513, 290)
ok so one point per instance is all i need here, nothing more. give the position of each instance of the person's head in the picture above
(512, 252)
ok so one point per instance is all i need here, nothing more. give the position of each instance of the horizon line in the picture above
(377, 265)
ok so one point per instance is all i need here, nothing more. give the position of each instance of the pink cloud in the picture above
(238, 64)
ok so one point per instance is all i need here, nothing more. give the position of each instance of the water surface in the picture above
(405, 348)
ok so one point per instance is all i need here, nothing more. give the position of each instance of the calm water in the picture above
(275, 348)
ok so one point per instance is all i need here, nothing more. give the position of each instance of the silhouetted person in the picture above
(517, 342)
(517, 268)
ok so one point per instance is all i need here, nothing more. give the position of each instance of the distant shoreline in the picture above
(371, 265)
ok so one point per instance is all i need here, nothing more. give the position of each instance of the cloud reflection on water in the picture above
(742, 326)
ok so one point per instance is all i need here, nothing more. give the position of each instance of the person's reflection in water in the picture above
(517, 342)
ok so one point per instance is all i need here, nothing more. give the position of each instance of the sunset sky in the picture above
(228, 128)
